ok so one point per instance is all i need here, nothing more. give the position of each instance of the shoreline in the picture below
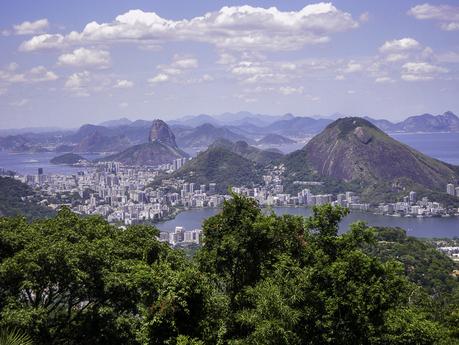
(181, 210)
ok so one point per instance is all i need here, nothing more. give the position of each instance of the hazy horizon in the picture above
(64, 64)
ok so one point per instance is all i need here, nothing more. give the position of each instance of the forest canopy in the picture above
(258, 279)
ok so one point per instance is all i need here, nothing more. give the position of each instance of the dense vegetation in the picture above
(16, 198)
(259, 279)
(223, 167)
(67, 158)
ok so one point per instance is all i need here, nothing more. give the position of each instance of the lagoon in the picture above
(417, 227)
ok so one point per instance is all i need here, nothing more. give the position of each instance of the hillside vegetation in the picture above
(18, 199)
(258, 279)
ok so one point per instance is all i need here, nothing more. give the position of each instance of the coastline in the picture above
(180, 210)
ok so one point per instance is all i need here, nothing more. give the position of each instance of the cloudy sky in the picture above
(64, 63)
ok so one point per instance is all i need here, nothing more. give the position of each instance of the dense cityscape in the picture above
(123, 195)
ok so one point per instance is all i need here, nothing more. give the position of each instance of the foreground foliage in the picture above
(259, 279)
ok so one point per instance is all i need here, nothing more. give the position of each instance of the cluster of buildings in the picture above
(129, 195)
(452, 190)
(180, 236)
(122, 194)
(174, 166)
(274, 196)
(411, 207)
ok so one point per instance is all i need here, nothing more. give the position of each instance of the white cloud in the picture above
(179, 64)
(288, 66)
(31, 28)
(353, 67)
(396, 57)
(83, 57)
(290, 90)
(340, 77)
(159, 78)
(249, 68)
(417, 71)
(401, 45)
(123, 84)
(203, 79)
(124, 105)
(79, 83)
(384, 80)
(446, 15)
(10, 75)
(226, 59)
(184, 62)
(237, 28)
(44, 41)
(351, 92)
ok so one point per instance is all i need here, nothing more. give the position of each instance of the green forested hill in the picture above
(221, 166)
(12, 193)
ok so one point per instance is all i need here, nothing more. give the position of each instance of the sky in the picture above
(65, 63)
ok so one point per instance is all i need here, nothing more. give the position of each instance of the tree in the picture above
(295, 281)
(75, 280)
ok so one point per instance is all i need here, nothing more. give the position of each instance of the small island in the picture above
(68, 159)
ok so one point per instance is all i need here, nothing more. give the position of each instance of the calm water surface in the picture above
(28, 163)
(418, 227)
(443, 146)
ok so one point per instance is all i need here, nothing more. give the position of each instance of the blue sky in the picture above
(65, 63)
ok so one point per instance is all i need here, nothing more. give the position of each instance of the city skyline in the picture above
(84, 62)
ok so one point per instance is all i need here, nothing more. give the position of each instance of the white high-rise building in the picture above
(450, 189)
(412, 197)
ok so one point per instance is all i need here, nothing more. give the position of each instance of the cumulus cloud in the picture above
(83, 57)
(237, 27)
(290, 90)
(179, 64)
(79, 83)
(11, 75)
(446, 15)
(353, 67)
(185, 62)
(401, 45)
(226, 59)
(123, 84)
(159, 78)
(384, 80)
(44, 41)
(202, 79)
(417, 71)
(31, 28)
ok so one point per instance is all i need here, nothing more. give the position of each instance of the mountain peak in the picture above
(353, 149)
(161, 133)
(356, 125)
(449, 113)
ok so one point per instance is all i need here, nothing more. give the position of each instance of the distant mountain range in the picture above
(202, 130)
(350, 154)
(447, 122)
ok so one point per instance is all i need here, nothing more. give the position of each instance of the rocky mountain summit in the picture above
(161, 133)
(161, 148)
